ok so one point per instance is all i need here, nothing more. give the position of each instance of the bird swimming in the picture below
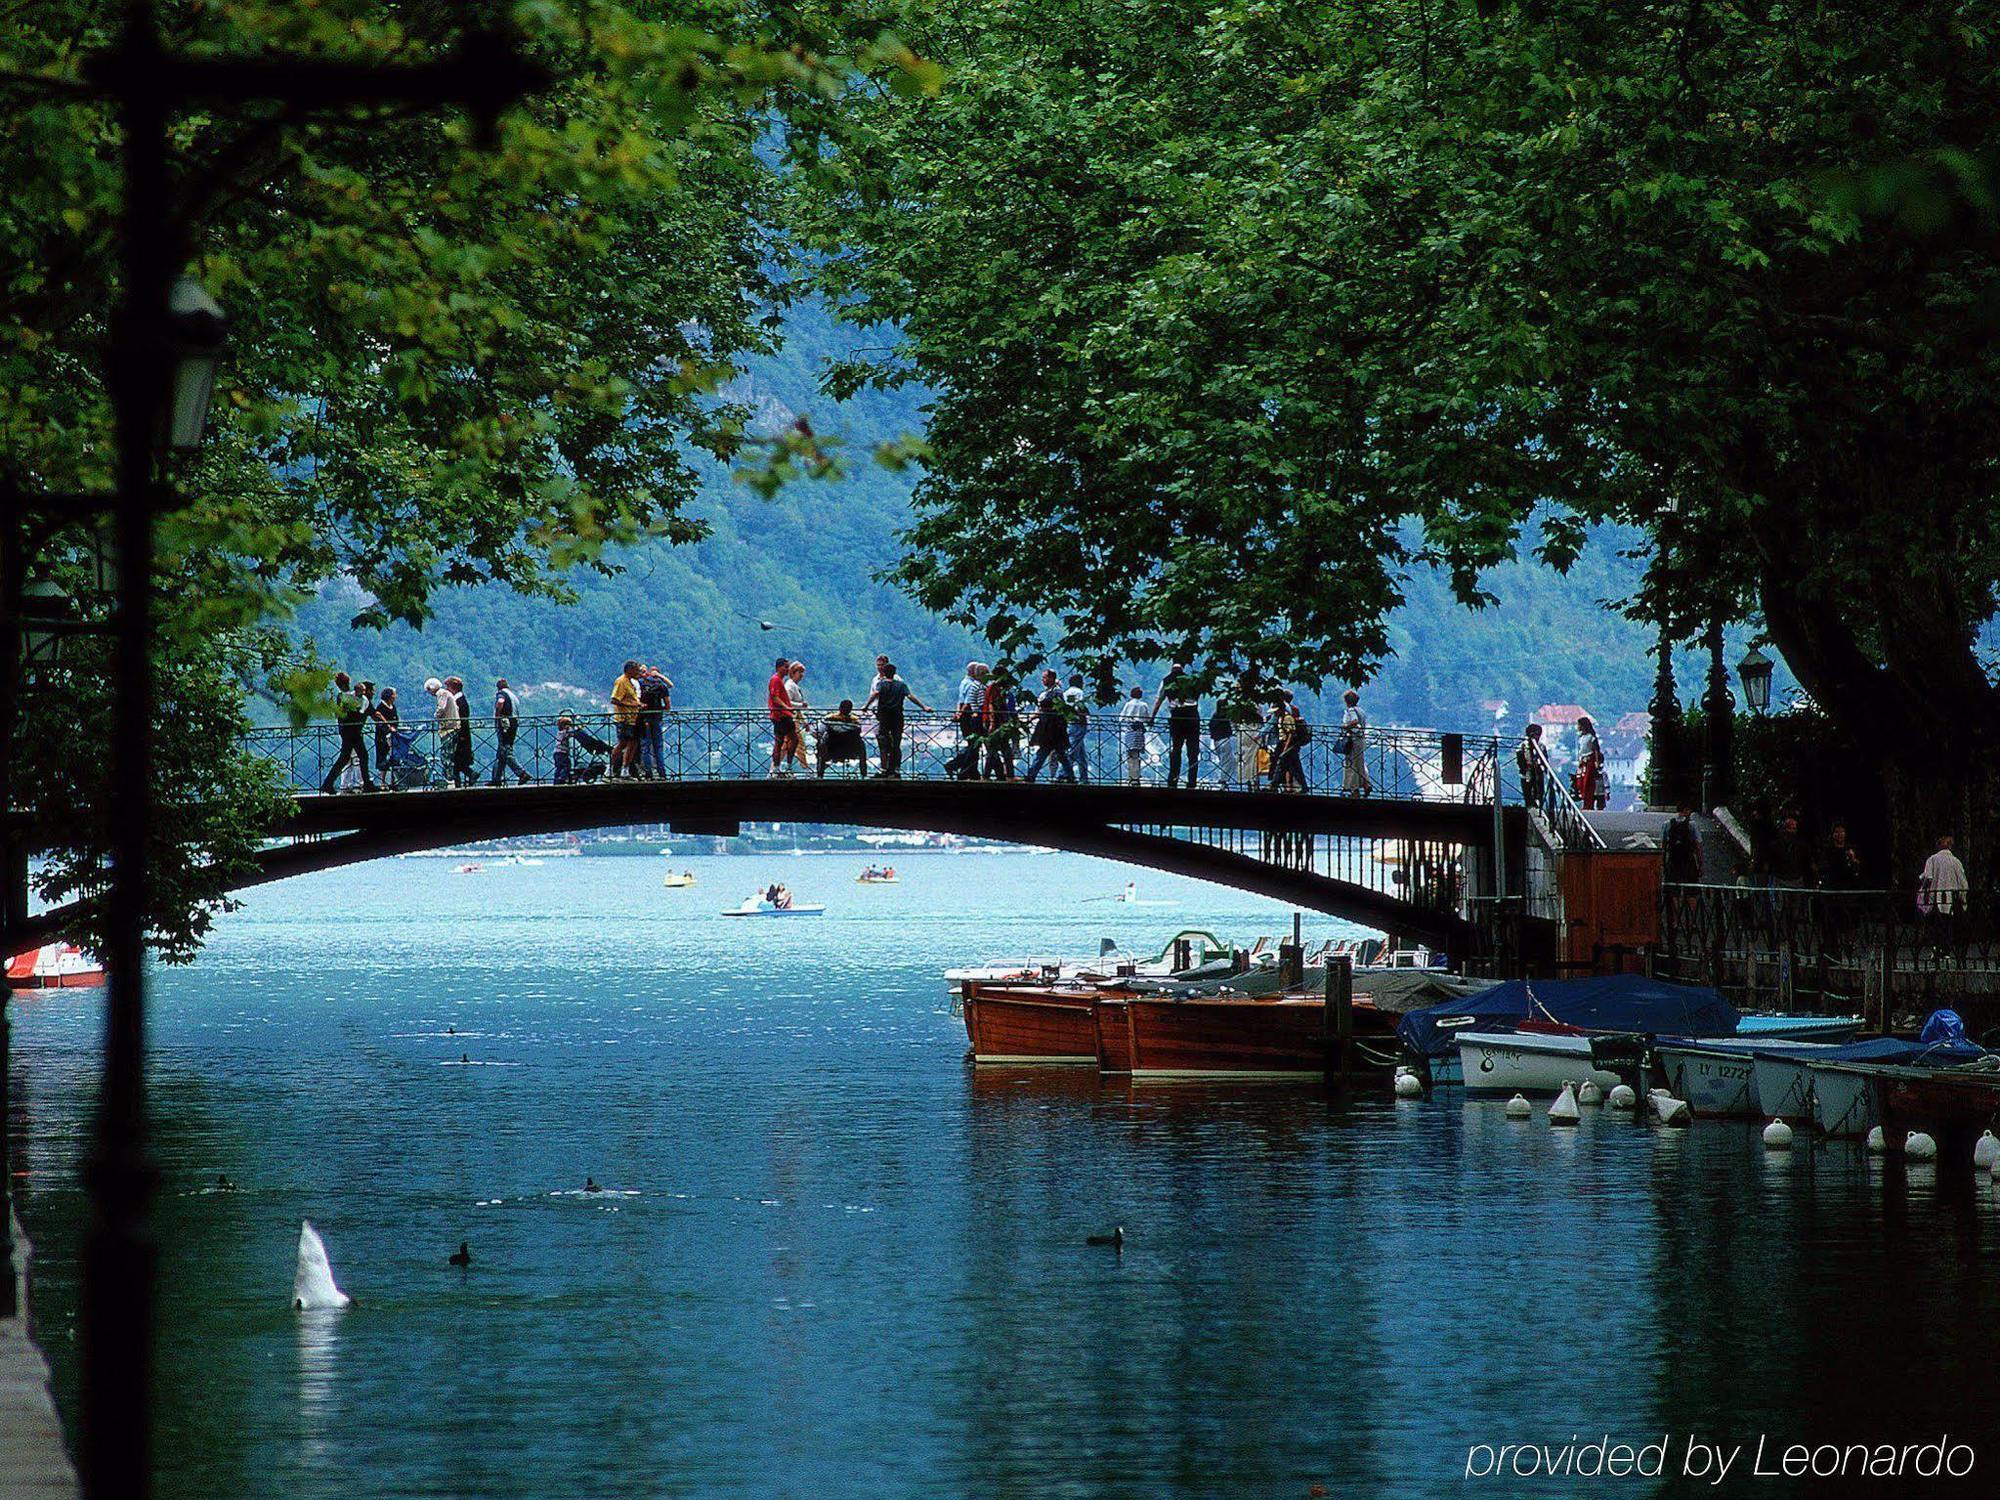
(223, 1184)
(590, 1185)
(463, 1257)
(465, 1057)
(1115, 1239)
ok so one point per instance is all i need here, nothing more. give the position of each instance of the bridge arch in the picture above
(1179, 832)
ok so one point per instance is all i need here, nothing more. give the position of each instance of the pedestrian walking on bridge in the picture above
(506, 729)
(350, 713)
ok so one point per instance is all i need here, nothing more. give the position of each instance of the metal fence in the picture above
(1893, 954)
(720, 744)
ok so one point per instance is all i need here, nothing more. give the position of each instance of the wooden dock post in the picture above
(1340, 1008)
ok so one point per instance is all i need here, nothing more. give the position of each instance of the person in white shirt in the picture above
(1941, 889)
(795, 690)
(1354, 732)
(1134, 718)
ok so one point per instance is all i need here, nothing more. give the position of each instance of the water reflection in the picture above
(318, 1347)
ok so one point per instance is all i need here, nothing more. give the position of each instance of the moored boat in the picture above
(1019, 1024)
(1952, 1105)
(1217, 1037)
(1525, 1062)
(1718, 1075)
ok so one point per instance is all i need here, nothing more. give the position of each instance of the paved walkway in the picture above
(33, 1462)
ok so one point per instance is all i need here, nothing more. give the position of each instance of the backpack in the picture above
(1302, 732)
(654, 692)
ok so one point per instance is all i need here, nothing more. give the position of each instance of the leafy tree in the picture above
(1236, 312)
(447, 368)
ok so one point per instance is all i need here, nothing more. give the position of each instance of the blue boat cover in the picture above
(1900, 1050)
(1614, 1002)
(1942, 1026)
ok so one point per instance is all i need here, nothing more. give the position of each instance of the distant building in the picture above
(1626, 756)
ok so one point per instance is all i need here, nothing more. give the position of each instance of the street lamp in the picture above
(196, 334)
(1755, 670)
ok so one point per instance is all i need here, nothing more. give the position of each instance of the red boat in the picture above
(1021, 1024)
(55, 966)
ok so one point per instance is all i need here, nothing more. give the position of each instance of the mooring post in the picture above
(1340, 999)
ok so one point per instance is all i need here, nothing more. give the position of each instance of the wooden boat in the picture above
(1112, 1014)
(1953, 1105)
(1227, 1038)
(1020, 1024)
(54, 966)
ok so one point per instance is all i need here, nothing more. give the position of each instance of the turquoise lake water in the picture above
(834, 1260)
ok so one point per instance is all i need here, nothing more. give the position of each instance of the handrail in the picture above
(1547, 793)
(714, 744)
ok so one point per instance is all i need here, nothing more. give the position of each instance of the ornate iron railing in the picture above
(717, 744)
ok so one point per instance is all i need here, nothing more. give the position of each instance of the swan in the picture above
(313, 1287)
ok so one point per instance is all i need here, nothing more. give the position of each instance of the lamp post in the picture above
(166, 339)
(1755, 671)
(1718, 708)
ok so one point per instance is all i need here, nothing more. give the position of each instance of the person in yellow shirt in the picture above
(625, 715)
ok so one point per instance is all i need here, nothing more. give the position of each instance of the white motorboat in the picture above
(1843, 1098)
(1718, 1076)
(1527, 1062)
(757, 906)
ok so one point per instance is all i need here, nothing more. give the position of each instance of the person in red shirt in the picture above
(778, 703)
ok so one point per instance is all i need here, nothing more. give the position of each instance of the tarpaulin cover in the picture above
(1901, 1050)
(1614, 1002)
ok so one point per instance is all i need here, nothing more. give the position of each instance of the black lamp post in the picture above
(166, 342)
(1755, 671)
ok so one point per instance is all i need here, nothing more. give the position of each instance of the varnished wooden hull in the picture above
(1114, 1034)
(1016, 1025)
(1227, 1038)
(1953, 1109)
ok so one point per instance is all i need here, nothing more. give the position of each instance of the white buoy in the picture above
(1564, 1110)
(313, 1287)
(1668, 1110)
(1409, 1086)
(1877, 1142)
(1518, 1108)
(1919, 1147)
(1778, 1136)
(1986, 1152)
(1622, 1097)
(1590, 1093)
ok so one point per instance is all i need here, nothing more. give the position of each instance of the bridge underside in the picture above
(1261, 843)
(1128, 824)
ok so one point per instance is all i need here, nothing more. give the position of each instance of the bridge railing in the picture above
(718, 744)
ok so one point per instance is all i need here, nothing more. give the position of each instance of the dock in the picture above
(34, 1464)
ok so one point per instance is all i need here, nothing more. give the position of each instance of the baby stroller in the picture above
(585, 759)
(408, 766)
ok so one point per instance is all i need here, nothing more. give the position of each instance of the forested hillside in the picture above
(805, 562)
